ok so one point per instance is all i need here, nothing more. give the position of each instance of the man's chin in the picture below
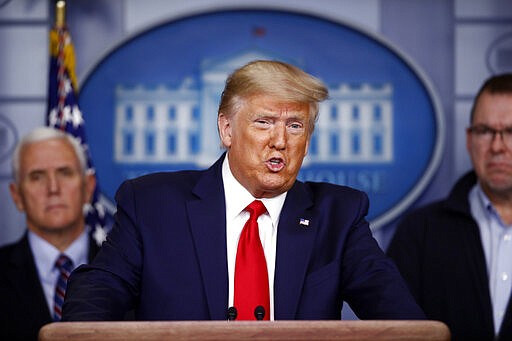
(58, 226)
(501, 185)
(273, 189)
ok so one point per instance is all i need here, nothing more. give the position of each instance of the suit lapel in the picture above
(23, 275)
(506, 324)
(208, 226)
(294, 244)
(478, 268)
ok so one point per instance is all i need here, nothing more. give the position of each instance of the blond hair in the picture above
(277, 79)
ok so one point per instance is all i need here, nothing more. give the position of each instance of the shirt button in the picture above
(504, 276)
(507, 237)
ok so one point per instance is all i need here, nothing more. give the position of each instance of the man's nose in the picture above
(498, 141)
(278, 138)
(53, 183)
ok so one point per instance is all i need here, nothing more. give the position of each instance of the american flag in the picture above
(64, 114)
(304, 222)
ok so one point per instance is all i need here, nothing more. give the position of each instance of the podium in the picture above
(247, 330)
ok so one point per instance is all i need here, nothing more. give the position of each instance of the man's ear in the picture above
(90, 185)
(224, 125)
(468, 141)
(16, 196)
(306, 148)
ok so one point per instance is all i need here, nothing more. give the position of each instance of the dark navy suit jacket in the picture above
(166, 256)
(23, 306)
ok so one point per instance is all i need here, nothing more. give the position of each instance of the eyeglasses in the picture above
(486, 134)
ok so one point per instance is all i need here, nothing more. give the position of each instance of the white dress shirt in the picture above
(45, 256)
(237, 198)
(497, 244)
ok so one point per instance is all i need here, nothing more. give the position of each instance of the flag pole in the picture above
(60, 14)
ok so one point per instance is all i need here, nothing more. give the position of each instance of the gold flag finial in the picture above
(60, 13)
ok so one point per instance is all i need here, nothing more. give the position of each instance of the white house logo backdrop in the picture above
(151, 104)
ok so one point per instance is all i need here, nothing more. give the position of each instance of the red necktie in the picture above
(251, 276)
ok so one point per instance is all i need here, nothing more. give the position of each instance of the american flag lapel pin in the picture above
(304, 222)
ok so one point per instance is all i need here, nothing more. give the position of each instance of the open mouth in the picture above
(275, 164)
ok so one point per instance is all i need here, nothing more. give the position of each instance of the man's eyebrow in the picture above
(37, 170)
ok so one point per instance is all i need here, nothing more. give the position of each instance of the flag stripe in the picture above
(64, 114)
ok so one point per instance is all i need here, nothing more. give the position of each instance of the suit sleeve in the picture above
(373, 286)
(107, 289)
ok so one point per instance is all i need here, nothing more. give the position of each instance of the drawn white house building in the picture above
(164, 125)
(354, 125)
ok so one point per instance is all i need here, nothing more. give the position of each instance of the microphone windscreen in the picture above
(232, 313)
(259, 312)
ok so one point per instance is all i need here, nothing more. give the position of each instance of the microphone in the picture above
(259, 313)
(232, 313)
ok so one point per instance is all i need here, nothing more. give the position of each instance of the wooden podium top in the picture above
(247, 330)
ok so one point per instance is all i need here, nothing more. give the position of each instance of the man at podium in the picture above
(243, 239)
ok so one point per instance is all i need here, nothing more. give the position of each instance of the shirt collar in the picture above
(483, 200)
(486, 206)
(45, 254)
(237, 197)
